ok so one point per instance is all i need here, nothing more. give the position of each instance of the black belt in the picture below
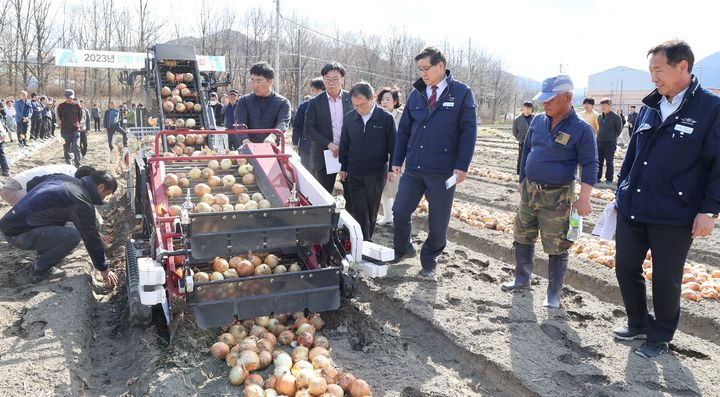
(542, 186)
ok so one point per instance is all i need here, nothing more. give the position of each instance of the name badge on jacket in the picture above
(683, 129)
(562, 138)
(448, 104)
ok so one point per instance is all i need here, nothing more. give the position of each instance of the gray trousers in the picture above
(52, 243)
(71, 144)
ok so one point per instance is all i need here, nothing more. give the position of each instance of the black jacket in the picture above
(298, 138)
(272, 112)
(318, 126)
(611, 126)
(57, 200)
(366, 148)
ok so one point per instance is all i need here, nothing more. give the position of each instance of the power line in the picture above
(365, 71)
(388, 53)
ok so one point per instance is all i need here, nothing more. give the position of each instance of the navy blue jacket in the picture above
(229, 112)
(22, 109)
(366, 148)
(548, 162)
(59, 199)
(298, 123)
(111, 118)
(671, 171)
(442, 139)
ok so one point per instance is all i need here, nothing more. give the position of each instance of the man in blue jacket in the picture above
(436, 137)
(556, 143)
(111, 123)
(228, 112)
(23, 113)
(668, 193)
(37, 222)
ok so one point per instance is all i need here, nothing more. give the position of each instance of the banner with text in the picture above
(124, 60)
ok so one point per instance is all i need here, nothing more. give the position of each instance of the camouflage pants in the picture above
(544, 211)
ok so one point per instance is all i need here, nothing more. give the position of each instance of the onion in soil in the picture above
(219, 350)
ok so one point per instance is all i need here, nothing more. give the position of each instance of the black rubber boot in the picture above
(557, 267)
(524, 261)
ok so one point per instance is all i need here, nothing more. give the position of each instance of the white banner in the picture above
(124, 60)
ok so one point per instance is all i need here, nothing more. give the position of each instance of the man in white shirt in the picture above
(16, 187)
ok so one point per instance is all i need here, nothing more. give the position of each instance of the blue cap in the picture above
(553, 86)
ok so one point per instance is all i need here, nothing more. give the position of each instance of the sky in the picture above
(532, 37)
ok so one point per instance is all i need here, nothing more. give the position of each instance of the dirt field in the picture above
(460, 336)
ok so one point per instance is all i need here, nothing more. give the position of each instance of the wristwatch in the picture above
(711, 215)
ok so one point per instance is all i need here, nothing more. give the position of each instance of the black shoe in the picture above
(410, 254)
(427, 274)
(629, 333)
(5, 173)
(651, 349)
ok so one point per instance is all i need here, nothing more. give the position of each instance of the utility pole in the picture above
(298, 78)
(561, 65)
(277, 46)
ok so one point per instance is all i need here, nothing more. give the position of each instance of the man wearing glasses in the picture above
(323, 123)
(263, 108)
(436, 137)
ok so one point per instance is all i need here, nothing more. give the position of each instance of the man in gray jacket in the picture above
(520, 127)
(611, 126)
(263, 108)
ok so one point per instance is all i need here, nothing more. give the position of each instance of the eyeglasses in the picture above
(258, 81)
(423, 69)
(334, 81)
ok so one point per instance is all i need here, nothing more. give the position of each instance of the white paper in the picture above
(605, 226)
(450, 182)
(332, 164)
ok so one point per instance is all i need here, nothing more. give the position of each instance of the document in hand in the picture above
(605, 226)
(332, 164)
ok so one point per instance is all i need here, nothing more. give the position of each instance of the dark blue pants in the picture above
(413, 184)
(52, 243)
(606, 155)
(111, 132)
(670, 246)
(3, 160)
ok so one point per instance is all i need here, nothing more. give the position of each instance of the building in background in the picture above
(627, 86)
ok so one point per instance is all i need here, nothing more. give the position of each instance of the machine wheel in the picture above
(139, 314)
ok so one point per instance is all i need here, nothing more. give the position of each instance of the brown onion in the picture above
(285, 384)
(219, 350)
(321, 341)
(238, 331)
(237, 375)
(238, 188)
(305, 328)
(245, 268)
(262, 321)
(215, 181)
(305, 339)
(303, 377)
(234, 262)
(254, 379)
(286, 337)
(360, 388)
(264, 344)
(270, 382)
(253, 390)
(257, 331)
(231, 358)
(228, 339)
(299, 353)
(262, 270)
(344, 380)
(271, 338)
(316, 321)
(201, 277)
(220, 265)
(202, 189)
(318, 351)
(249, 344)
(265, 359)
(255, 260)
(321, 362)
(170, 180)
(330, 374)
(249, 359)
(317, 386)
(335, 391)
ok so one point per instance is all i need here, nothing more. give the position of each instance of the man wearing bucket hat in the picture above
(70, 115)
(556, 143)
